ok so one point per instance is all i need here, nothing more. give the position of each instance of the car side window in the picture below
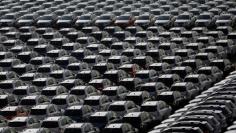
(125, 129)
(71, 100)
(31, 121)
(41, 100)
(32, 90)
(63, 122)
(89, 90)
(129, 106)
(51, 110)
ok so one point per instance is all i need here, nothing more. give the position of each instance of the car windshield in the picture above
(59, 101)
(136, 99)
(167, 98)
(204, 17)
(148, 88)
(70, 112)
(157, 68)
(3, 77)
(123, 18)
(207, 72)
(202, 57)
(39, 83)
(163, 17)
(134, 120)
(110, 93)
(6, 85)
(38, 112)
(167, 81)
(57, 75)
(193, 80)
(78, 92)
(178, 88)
(74, 68)
(86, 17)
(66, 18)
(165, 47)
(114, 61)
(5, 64)
(20, 92)
(45, 18)
(89, 60)
(100, 68)
(113, 130)
(36, 62)
(213, 50)
(170, 61)
(3, 102)
(104, 17)
(149, 108)
(50, 124)
(225, 17)
(183, 17)
(27, 17)
(9, 17)
(143, 18)
(92, 102)
(8, 113)
(73, 130)
(28, 102)
(98, 119)
(17, 124)
(182, 54)
(117, 108)
(49, 92)
(143, 75)
(44, 69)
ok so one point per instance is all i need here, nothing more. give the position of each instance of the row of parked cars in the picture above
(116, 66)
(211, 111)
(102, 13)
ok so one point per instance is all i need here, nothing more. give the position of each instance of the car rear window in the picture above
(50, 124)
(38, 112)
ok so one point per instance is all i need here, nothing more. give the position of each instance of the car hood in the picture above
(182, 21)
(83, 21)
(122, 21)
(223, 21)
(103, 21)
(161, 21)
(44, 21)
(6, 20)
(61, 21)
(203, 20)
(22, 21)
(142, 21)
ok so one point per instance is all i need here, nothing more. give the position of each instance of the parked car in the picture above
(78, 127)
(56, 123)
(23, 122)
(105, 20)
(159, 109)
(165, 20)
(123, 107)
(185, 20)
(125, 20)
(139, 120)
(120, 127)
(98, 102)
(10, 112)
(206, 19)
(226, 20)
(44, 110)
(79, 113)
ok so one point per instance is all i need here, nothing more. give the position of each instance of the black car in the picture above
(48, 20)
